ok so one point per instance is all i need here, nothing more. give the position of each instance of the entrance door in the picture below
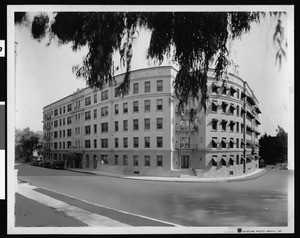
(185, 161)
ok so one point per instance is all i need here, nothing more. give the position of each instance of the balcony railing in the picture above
(186, 146)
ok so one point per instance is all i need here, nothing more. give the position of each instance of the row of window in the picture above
(239, 143)
(239, 127)
(223, 91)
(104, 96)
(136, 142)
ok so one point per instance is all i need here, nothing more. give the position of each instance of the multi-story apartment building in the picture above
(144, 133)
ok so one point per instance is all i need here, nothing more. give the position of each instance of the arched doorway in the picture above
(95, 162)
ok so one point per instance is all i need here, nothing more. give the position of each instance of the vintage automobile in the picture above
(58, 165)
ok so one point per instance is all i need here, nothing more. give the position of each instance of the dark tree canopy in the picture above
(194, 40)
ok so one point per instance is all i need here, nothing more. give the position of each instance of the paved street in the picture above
(256, 202)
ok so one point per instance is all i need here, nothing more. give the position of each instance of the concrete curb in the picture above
(249, 176)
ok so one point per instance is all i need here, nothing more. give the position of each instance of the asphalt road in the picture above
(256, 202)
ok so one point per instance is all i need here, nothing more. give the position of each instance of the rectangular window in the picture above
(231, 126)
(125, 125)
(104, 143)
(147, 105)
(147, 160)
(116, 159)
(159, 104)
(87, 144)
(69, 120)
(135, 124)
(135, 88)
(135, 142)
(87, 115)
(104, 158)
(60, 110)
(95, 113)
(125, 142)
(64, 134)
(64, 145)
(214, 106)
(147, 87)
(55, 112)
(125, 160)
(59, 122)
(95, 98)
(55, 123)
(87, 101)
(237, 93)
(104, 95)
(214, 142)
(159, 123)
(214, 124)
(135, 106)
(69, 143)
(87, 130)
(159, 161)
(55, 134)
(224, 123)
(147, 123)
(69, 132)
(125, 107)
(59, 133)
(135, 160)
(231, 143)
(69, 107)
(224, 142)
(95, 143)
(237, 159)
(55, 145)
(159, 85)
(64, 121)
(95, 128)
(159, 142)
(237, 110)
(116, 109)
(104, 111)
(64, 109)
(116, 142)
(116, 92)
(231, 109)
(116, 126)
(237, 127)
(237, 143)
(147, 142)
(224, 106)
(104, 127)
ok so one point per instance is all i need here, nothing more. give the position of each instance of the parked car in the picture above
(58, 164)
(34, 162)
(47, 164)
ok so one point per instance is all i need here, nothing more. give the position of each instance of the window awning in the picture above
(232, 106)
(215, 86)
(243, 95)
(249, 128)
(242, 110)
(216, 104)
(224, 104)
(225, 140)
(232, 141)
(257, 132)
(249, 143)
(242, 142)
(251, 157)
(250, 115)
(257, 122)
(224, 121)
(233, 89)
(215, 119)
(232, 122)
(215, 141)
(257, 109)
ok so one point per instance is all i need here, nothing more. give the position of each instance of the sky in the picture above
(44, 75)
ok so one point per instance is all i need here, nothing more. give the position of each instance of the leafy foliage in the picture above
(20, 17)
(194, 40)
(273, 149)
(26, 142)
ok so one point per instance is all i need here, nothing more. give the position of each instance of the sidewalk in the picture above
(193, 179)
(41, 207)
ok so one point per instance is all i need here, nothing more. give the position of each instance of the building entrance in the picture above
(185, 161)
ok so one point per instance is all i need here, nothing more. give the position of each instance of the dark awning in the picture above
(224, 121)
(232, 122)
(216, 104)
(232, 141)
(257, 109)
(225, 140)
(243, 95)
(250, 100)
(215, 119)
(257, 122)
(233, 89)
(232, 106)
(224, 104)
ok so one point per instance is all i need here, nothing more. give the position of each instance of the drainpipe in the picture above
(244, 122)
